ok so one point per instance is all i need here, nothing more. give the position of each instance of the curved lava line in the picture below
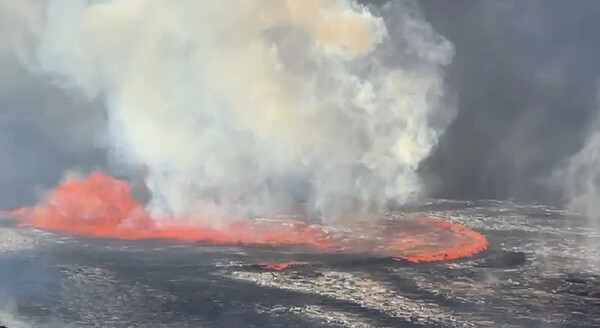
(101, 206)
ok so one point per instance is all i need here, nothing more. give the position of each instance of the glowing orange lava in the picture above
(101, 206)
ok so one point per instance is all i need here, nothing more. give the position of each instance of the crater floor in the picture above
(541, 270)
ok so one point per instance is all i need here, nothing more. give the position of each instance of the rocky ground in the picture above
(541, 271)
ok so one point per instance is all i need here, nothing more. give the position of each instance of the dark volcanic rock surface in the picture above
(540, 271)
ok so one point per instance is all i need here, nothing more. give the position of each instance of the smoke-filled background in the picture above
(260, 104)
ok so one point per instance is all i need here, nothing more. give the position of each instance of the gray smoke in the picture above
(44, 131)
(525, 74)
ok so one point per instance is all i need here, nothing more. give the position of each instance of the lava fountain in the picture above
(102, 206)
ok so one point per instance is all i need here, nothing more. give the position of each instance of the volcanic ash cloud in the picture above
(247, 107)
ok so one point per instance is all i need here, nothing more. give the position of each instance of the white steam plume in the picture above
(580, 178)
(247, 106)
(579, 181)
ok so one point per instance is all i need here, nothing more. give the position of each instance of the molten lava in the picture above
(102, 206)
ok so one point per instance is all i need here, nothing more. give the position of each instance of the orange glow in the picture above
(101, 206)
(276, 267)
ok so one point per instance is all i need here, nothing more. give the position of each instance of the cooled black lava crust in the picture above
(540, 271)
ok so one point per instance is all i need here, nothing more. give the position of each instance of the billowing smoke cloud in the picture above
(250, 106)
